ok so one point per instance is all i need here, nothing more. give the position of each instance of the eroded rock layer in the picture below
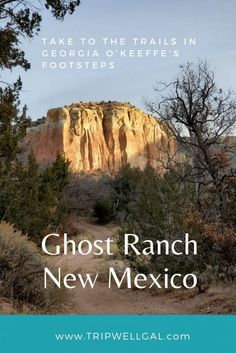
(100, 137)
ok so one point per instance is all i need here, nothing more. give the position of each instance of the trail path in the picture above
(101, 299)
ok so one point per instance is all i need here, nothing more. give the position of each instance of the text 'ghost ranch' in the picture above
(132, 244)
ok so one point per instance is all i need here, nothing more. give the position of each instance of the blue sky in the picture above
(211, 22)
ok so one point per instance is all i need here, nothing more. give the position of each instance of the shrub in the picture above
(21, 270)
(104, 210)
(126, 187)
(166, 207)
(31, 200)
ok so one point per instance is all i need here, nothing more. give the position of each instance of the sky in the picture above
(211, 22)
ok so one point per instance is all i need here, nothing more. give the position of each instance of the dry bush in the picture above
(220, 299)
(69, 224)
(76, 238)
(213, 232)
(21, 272)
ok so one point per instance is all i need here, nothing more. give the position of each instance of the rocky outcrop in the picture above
(100, 137)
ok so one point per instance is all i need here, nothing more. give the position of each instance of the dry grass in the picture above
(21, 275)
(184, 294)
(219, 299)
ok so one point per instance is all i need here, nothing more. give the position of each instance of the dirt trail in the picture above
(101, 299)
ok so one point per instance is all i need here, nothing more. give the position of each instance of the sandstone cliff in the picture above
(100, 137)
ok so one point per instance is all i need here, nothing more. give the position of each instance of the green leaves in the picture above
(61, 8)
(10, 55)
(13, 123)
(30, 200)
(22, 19)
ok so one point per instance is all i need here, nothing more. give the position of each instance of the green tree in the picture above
(164, 208)
(104, 210)
(57, 175)
(22, 18)
(13, 123)
(159, 211)
(27, 199)
(23, 208)
(125, 187)
(30, 200)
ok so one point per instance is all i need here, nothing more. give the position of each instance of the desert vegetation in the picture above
(21, 274)
(30, 200)
(196, 194)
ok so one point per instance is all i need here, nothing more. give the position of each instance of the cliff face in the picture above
(100, 137)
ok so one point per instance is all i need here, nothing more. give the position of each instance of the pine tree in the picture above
(13, 123)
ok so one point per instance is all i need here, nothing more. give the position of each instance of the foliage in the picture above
(119, 197)
(21, 270)
(13, 124)
(57, 175)
(158, 212)
(30, 200)
(231, 201)
(21, 18)
(164, 207)
(201, 117)
(104, 210)
(125, 184)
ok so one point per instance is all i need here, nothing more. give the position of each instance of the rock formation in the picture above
(100, 137)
